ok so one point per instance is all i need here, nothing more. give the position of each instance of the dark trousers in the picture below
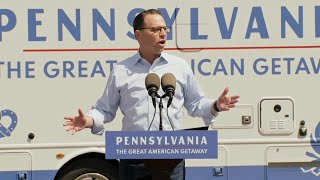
(135, 170)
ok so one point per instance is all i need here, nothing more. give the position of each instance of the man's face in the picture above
(152, 37)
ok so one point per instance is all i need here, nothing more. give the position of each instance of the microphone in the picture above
(152, 83)
(168, 83)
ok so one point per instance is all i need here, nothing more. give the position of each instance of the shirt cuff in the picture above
(98, 124)
(208, 117)
(214, 112)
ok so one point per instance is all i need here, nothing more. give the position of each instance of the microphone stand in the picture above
(160, 112)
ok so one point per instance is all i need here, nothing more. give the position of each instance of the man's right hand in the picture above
(77, 123)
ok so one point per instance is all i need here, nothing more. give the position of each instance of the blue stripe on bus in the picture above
(251, 172)
(35, 175)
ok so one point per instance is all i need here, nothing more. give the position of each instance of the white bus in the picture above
(55, 56)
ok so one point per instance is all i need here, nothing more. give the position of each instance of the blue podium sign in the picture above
(189, 144)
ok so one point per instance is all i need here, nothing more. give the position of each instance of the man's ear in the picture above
(137, 34)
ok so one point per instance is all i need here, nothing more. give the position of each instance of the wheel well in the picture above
(87, 156)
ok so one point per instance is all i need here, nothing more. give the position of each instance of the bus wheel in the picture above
(88, 169)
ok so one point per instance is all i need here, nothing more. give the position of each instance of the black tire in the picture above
(92, 165)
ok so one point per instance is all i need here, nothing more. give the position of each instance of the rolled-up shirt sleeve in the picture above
(105, 109)
(196, 103)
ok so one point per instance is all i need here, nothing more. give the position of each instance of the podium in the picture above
(162, 151)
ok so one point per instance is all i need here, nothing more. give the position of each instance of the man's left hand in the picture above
(225, 102)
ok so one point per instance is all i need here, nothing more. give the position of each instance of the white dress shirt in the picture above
(126, 89)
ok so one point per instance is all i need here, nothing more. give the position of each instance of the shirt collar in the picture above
(137, 57)
(165, 56)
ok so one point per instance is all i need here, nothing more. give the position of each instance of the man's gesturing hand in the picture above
(77, 123)
(225, 102)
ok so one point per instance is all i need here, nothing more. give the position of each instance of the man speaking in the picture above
(126, 89)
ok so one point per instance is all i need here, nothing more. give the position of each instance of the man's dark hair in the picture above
(139, 19)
